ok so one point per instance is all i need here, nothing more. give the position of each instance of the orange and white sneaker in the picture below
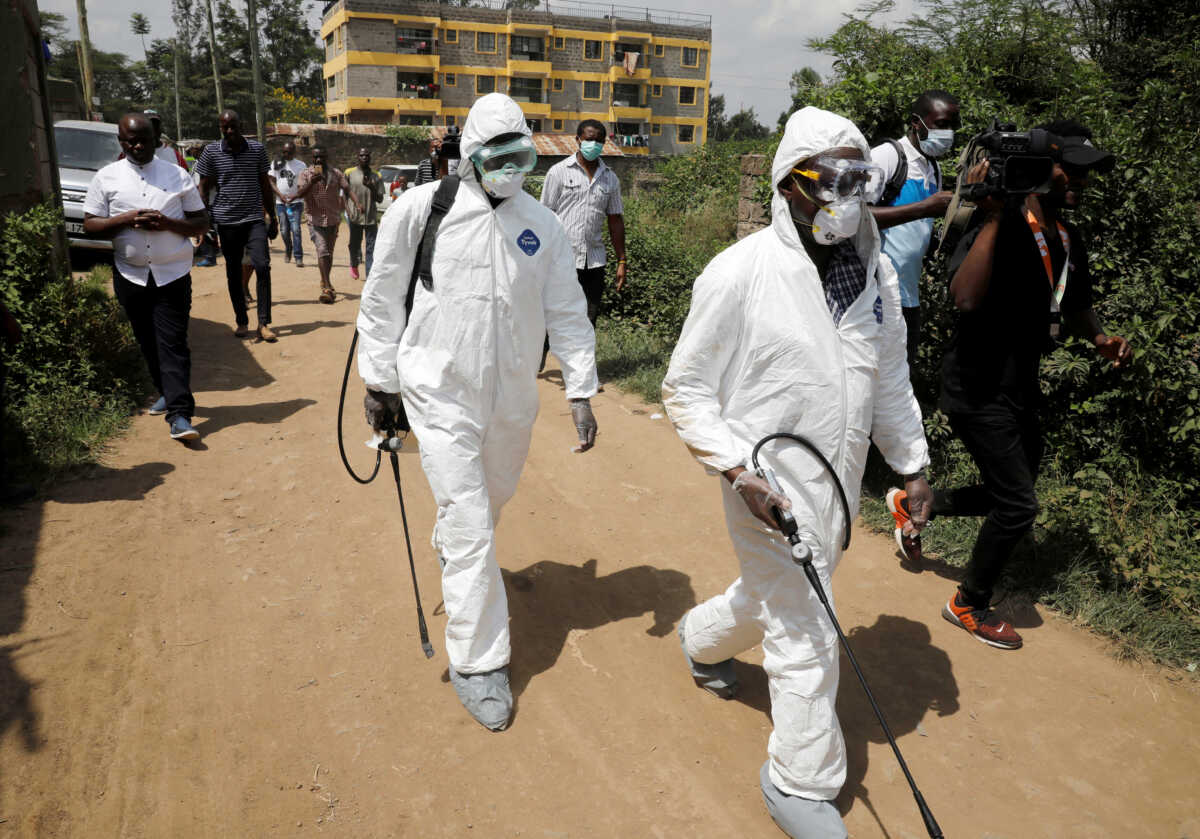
(982, 623)
(897, 504)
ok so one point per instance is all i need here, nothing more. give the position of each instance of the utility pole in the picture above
(85, 57)
(212, 50)
(178, 121)
(260, 111)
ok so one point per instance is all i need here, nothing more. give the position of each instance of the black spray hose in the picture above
(391, 444)
(802, 555)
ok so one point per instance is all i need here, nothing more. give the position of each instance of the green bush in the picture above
(1120, 519)
(77, 372)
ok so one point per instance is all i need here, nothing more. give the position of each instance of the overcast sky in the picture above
(756, 43)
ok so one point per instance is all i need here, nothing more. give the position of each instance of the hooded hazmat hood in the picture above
(811, 131)
(490, 116)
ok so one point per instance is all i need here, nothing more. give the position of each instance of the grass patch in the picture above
(1065, 564)
(632, 357)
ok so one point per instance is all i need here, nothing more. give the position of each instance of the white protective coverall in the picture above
(466, 366)
(760, 353)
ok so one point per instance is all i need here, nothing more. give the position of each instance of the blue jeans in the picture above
(357, 233)
(289, 227)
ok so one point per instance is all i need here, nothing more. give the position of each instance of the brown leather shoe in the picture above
(265, 334)
(243, 330)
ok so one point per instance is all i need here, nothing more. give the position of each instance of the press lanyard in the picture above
(1060, 287)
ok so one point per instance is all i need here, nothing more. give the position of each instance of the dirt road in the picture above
(219, 641)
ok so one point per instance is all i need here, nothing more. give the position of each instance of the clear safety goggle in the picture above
(511, 157)
(836, 178)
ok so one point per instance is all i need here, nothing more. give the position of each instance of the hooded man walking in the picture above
(796, 328)
(503, 275)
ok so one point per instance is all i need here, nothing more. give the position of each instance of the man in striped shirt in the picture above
(237, 168)
(583, 192)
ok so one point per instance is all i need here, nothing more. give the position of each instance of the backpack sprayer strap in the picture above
(895, 183)
(443, 200)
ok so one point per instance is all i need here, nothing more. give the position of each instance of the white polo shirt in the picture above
(123, 186)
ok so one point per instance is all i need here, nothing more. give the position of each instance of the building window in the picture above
(485, 84)
(328, 43)
(687, 133)
(656, 90)
(338, 33)
(526, 90)
(558, 125)
(449, 120)
(331, 85)
(659, 49)
(620, 49)
(655, 129)
(627, 95)
(525, 48)
(558, 84)
(535, 125)
(485, 42)
(593, 50)
(559, 44)
(451, 36)
(449, 79)
(691, 57)
(591, 90)
(687, 96)
(414, 41)
(415, 85)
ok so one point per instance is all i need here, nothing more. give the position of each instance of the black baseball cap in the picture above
(1079, 152)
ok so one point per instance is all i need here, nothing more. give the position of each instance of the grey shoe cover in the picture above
(801, 818)
(718, 679)
(486, 696)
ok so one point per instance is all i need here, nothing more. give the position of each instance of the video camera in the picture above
(451, 144)
(1020, 162)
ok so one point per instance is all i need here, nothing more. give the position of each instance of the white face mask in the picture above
(502, 184)
(837, 220)
(938, 143)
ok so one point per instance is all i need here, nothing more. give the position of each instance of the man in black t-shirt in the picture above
(1019, 272)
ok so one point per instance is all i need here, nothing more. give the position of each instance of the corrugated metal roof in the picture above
(564, 145)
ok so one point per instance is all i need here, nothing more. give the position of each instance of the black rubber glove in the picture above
(382, 410)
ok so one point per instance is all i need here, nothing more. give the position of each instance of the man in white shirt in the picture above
(151, 207)
(284, 172)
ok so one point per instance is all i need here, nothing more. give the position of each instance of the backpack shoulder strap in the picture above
(443, 200)
(891, 190)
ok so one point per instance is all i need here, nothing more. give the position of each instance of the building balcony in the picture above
(415, 105)
(618, 73)
(629, 113)
(529, 68)
(529, 107)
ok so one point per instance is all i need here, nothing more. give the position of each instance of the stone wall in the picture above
(29, 174)
(752, 216)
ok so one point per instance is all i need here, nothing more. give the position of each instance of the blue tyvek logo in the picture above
(878, 310)
(529, 242)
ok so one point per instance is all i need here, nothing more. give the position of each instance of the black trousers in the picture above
(159, 317)
(592, 281)
(1006, 444)
(235, 240)
(912, 320)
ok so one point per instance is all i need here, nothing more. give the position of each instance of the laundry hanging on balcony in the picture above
(631, 60)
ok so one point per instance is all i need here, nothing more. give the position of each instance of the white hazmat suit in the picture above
(466, 365)
(760, 353)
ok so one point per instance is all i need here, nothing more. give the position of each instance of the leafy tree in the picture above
(716, 115)
(802, 84)
(54, 28)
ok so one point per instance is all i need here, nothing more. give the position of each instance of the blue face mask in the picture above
(590, 149)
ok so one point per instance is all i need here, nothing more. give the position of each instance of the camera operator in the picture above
(1016, 270)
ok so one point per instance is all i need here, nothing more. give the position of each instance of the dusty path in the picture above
(219, 641)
